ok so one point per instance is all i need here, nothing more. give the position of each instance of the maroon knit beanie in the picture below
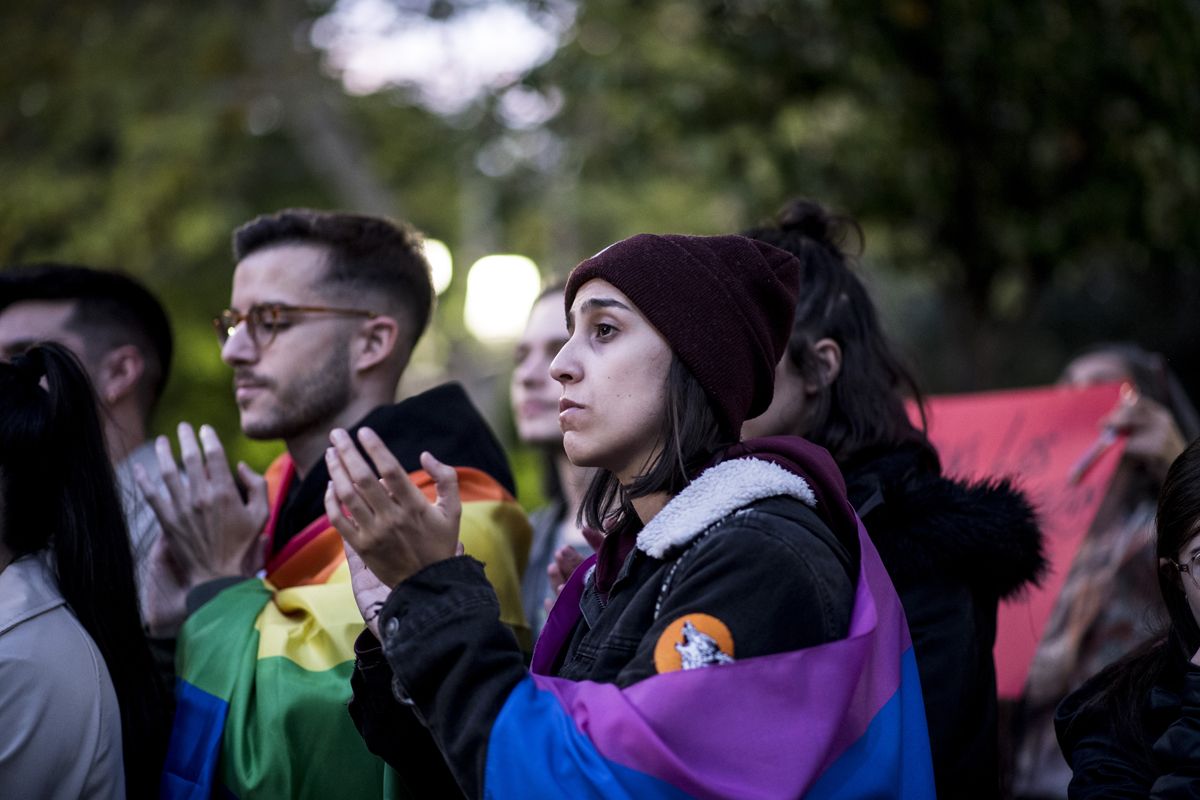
(725, 304)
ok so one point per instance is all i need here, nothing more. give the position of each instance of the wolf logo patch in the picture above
(693, 641)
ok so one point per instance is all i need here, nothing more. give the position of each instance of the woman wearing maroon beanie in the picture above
(734, 636)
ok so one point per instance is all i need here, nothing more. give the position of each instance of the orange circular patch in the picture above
(691, 641)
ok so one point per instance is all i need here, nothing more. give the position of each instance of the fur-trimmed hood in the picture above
(718, 492)
(741, 475)
(924, 524)
(754, 470)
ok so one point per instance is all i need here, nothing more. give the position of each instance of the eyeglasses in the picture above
(268, 319)
(1190, 567)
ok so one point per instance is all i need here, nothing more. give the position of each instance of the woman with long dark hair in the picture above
(735, 634)
(952, 549)
(1134, 729)
(80, 705)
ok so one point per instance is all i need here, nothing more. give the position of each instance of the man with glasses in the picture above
(325, 312)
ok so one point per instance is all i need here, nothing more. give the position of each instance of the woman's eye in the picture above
(604, 330)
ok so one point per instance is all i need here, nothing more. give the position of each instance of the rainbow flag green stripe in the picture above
(242, 717)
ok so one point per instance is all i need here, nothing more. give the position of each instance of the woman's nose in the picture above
(564, 368)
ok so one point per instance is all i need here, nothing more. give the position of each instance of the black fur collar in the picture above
(924, 524)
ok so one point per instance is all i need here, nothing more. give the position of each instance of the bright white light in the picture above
(441, 264)
(373, 44)
(500, 291)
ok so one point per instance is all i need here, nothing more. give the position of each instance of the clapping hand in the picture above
(387, 520)
(209, 529)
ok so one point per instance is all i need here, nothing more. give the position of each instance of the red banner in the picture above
(1050, 443)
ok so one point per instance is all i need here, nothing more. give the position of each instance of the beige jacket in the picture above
(60, 726)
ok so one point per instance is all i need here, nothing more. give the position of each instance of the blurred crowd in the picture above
(751, 578)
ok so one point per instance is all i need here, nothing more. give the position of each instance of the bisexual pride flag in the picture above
(840, 720)
(264, 667)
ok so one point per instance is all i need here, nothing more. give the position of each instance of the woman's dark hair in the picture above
(1127, 683)
(688, 440)
(59, 494)
(864, 406)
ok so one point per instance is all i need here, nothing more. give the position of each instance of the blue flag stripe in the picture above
(536, 750)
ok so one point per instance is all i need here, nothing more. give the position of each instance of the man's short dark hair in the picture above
(111, 310)
(365, 253)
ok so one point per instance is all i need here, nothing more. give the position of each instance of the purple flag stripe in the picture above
(762, 727)
(561, 621)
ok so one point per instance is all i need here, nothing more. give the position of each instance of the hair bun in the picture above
(31, 364)
(806, 217)
(810, 220)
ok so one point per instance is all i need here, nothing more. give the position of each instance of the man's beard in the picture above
(310, 401)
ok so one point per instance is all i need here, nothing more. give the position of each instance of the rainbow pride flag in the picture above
(264, 668)
(840, 720)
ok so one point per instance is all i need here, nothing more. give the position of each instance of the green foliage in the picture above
(1027, 175)
(1037, 162)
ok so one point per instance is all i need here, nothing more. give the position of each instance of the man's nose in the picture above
(239, 348)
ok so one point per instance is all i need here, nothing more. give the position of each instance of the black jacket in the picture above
(776, 572)
(953, 550)
(1107, 765)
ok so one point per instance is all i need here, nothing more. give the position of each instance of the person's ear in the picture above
(828, 357)
(377, 341)
(118, 374)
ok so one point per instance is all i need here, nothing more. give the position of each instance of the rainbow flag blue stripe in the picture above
(844, 719)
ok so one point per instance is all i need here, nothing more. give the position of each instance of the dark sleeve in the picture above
(952, 640)
(391, 730)
(774, 586)
(1178, 749)
(1101, 765)
(162, 651)
(1101, 769)
(454, 662)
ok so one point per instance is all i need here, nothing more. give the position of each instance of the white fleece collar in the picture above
(717, 493)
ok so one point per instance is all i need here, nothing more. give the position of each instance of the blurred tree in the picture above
(1027, 175)
(1035, 163)
(138, 136)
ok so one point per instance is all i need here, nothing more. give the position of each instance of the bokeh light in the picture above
(441, 264)
(500, 291)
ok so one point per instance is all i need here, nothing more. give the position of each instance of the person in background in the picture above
(121, 334)
(325, 310)
(1108, 600)
(737, 637)
(559, 544)
(81, 708)
(1134, 729)
(952, 549)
